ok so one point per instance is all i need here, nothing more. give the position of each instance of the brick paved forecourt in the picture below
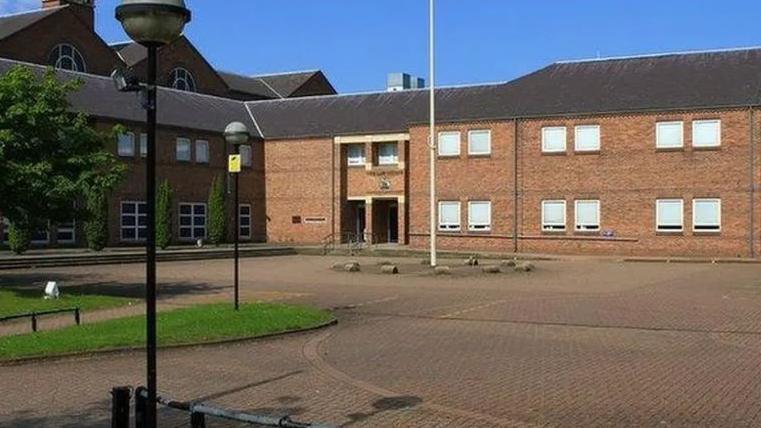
(575, 343)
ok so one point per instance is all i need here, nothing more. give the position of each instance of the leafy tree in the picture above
(164, 196)
(19, 237)
(217, 215)
(96, 225)
(50, 156)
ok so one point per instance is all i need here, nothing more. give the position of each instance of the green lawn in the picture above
(198, 324)
(15, 301)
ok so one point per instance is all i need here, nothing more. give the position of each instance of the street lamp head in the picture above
(236, 134)
(153, 22)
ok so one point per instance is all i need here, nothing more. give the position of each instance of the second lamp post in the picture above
(236, 134)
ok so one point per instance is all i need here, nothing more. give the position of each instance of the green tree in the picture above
(164, 196)
(96, 225)
(217, 215)
(49, 155)
(19, 237)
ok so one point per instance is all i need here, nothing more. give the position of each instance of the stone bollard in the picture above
(508, 263)
(351, 267)
(442, 270)
(524, 267)
(490, 269)
(472, 261)
(389, 270)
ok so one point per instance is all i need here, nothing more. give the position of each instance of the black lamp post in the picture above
(152, 23)
(236, 134)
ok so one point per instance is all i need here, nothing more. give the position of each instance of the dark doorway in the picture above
(393, 223)
(361, 222)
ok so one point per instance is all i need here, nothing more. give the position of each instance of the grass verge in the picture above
(17, 301)
(194, 325)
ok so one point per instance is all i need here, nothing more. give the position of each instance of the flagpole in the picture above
(432, 135)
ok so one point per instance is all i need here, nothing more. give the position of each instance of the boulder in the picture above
(508, 263)
(524, 267)
(351, 267)
(389, 270)
(442, 270)
(490, 269)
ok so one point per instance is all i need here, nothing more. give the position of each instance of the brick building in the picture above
(650, 155)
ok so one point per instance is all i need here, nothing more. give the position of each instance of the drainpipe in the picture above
(333, 187)
(752, 178)
(515, 185)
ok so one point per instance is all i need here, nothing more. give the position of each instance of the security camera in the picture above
(125, 80)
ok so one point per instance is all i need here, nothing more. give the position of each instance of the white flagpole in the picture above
(432, 136)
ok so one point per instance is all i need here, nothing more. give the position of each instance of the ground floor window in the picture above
(66, 233)
(41, 236)
(479, 216)
(587, 215)
(553, 216)
(449, 216)
(192, 221)
(244, 219)
(669, 215)
(134, 221)
(706, 215)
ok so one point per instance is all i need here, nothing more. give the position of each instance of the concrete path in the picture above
(582, 343)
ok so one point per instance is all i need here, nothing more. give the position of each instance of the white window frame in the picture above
(130, 136)
(576, 138)
(353, 160)
(668, 228)
(182, 76)
(246, 155)
(696, 123)
(546, 130)
(705, 228)
(65, 228)
(453, 153)
(554, 227)
(586, 227)
(201, 143)
(659, 144)
(450, 227)
(74, 57)
(183, 141)
(478, 227)
(143, 145)
(136, 226)
(44, 241)
(193, 221)
(241, 216)
(394, 160)
(487, 132)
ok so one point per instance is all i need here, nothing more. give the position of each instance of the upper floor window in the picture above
(183, 150)
(355, 154)
(587, 138)
(202, 151)
(669, 135)
(553, 139)
(479, 142)
(67, 57)
(182, 79)
(706, 133)
(449, 144)
(126, 145)
(388, 154)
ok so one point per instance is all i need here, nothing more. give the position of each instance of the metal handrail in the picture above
(35, 314)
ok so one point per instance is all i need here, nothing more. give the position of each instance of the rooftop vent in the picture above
(403, 81)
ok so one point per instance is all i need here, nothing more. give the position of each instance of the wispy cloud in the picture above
(15, 6)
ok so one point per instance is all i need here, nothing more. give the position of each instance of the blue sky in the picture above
(357, 42)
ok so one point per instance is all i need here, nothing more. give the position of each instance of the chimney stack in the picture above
(83, 9)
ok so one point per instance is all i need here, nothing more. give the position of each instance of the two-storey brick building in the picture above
(650, 155)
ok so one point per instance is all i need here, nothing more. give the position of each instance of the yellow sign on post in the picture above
(233, 164)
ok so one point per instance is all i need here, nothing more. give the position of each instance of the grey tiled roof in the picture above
(12, 24)
(99, 98)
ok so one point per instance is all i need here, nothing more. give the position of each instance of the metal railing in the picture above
(37, 314)
(353, 241)
(198, 412)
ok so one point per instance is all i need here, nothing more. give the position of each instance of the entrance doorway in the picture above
(385, 221)
(393, 223)
(361, 222)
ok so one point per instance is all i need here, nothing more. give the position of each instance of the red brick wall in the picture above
(627, 176)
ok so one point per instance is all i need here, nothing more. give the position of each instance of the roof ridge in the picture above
(27, 12)
(659, 54)
(379, 92)
(283, 73)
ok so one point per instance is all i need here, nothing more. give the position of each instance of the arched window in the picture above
(67, 57)
(182, 79)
